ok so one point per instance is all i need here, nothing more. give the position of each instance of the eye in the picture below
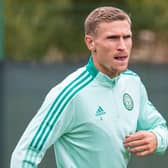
(114, 37)
(127, 37)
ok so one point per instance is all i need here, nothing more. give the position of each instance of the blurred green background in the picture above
(42, 41)
(52, 30)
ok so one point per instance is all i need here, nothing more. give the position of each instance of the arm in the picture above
(45, 128)
(152, 133)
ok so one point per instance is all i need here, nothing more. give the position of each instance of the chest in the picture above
(110, 109)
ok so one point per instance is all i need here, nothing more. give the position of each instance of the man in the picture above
(99, 114)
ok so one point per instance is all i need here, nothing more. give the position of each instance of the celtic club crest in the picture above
(128, 101)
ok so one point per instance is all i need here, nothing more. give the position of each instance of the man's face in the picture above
(111, 46)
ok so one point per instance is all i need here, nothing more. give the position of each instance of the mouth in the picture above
(120, 58)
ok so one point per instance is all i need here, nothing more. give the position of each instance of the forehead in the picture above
(119, 26)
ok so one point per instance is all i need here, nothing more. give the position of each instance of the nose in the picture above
(121, 44)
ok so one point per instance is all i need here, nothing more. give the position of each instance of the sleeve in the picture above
(151, 120)
(53, 119)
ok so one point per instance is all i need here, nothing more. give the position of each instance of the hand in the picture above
(141, 143)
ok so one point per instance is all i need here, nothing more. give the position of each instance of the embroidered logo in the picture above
(128, 101)
(100, 112)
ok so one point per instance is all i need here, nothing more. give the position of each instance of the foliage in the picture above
(149, 14)
(36, 29)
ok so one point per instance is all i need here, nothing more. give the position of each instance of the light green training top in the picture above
(86, 118)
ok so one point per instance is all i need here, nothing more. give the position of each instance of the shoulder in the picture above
(71, 85)
(131, 76)
(130, 73)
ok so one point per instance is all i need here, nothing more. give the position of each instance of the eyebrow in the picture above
(118, 36)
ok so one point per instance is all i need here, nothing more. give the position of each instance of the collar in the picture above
(101, 78)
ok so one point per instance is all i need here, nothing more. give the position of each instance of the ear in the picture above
(89, 40)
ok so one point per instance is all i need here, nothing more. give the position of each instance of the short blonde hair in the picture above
(103, 14)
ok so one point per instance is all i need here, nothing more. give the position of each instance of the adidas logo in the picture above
(100, 111)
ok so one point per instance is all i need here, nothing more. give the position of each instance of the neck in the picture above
(110, 73)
